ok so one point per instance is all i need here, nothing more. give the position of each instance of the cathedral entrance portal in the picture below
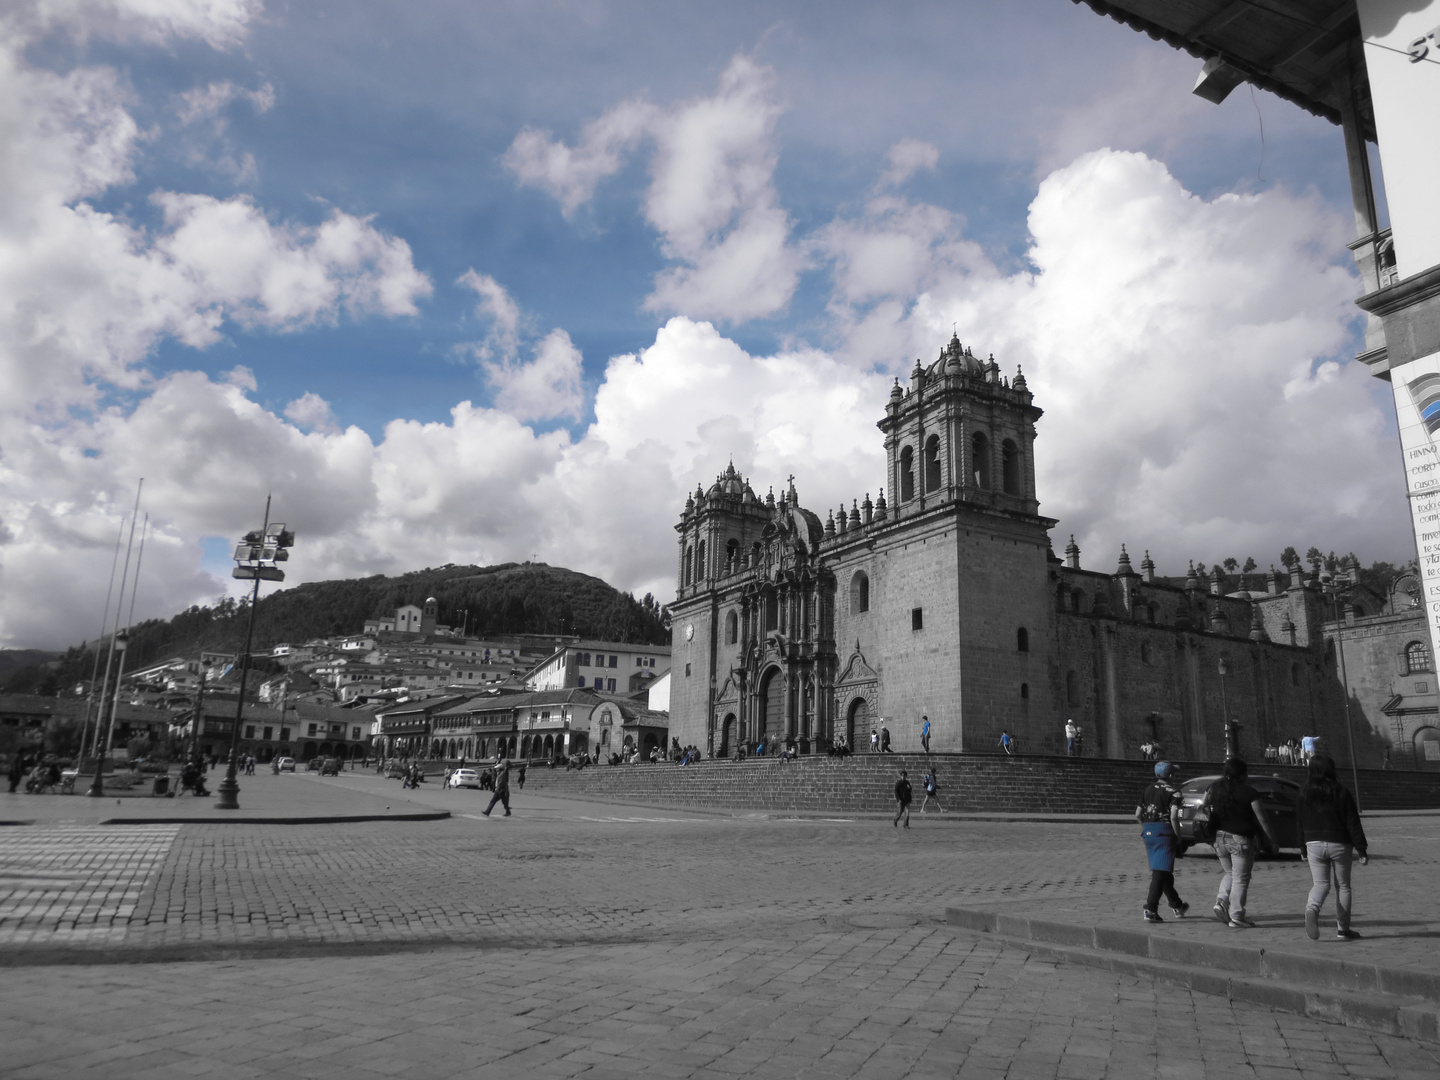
(857, 720)
(727, 735)
(772, 706)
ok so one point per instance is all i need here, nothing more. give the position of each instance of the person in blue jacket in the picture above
(1159, 818)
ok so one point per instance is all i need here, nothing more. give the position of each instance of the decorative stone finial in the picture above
(1123, 568)
(1257, 625)
(1019, 383)
(1072, 553)
(1147, 567)
(830, 524)
(867, 509)
(881, 510)
(854, 514)
(1191, 580)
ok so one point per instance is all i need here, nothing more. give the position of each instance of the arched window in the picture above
(932, 463)
(907, 473)
(732, 628)
(859, 593)
(1294, 674)
(980, 460)
(1022, 640)
(700, 564)
(1072, 689)
(755, 553)
(1417, 657)
(772, 612)
(1150, 614)
(1010, 467)
(1025, 690)
(689, 566)
(732, 554)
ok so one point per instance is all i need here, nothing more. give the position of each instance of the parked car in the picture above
(465, 778)
(287, 764)
(1278, 796)
(314, 764)
(330, 767)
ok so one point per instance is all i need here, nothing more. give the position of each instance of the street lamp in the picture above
(1331, 589)
(1232, 732)
(97, 786)
(255, 559)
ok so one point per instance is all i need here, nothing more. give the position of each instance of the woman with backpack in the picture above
(1159, 816)
(1330, 829)
(1238, 818)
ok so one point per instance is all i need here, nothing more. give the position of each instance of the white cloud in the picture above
(311, 412)
(207, 102)
(712, 195)
(546, 388)
(219, 23)
(500, 309)
(906, 158)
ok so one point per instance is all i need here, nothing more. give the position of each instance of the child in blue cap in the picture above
(1159, 818)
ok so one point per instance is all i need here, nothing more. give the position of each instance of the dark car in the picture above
(331, 767)
(1278, 796)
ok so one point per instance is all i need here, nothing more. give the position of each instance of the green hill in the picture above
(512, 598)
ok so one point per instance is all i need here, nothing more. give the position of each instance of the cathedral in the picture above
(947, 602)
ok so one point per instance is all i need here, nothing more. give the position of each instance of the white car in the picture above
(287, 764)
(465, 778)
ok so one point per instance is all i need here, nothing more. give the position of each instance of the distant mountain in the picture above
(12, 660)
(512, 598)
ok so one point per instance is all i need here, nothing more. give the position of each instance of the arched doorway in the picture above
(727, 735)
(1427, 748)
(549, 747)
(857, 723)
(772, 706)
(525, 747)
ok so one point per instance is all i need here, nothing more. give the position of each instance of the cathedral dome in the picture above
(729, 484)
(955, 359)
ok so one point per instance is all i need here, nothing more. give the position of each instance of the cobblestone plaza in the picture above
(585, 939)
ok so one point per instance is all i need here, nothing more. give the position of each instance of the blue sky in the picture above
(755, 202)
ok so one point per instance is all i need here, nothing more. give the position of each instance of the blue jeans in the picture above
(1326, 858)
(1237, 856)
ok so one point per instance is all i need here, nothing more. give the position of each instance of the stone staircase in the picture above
(970, 783)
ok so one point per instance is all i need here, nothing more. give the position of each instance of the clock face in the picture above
(690, 632)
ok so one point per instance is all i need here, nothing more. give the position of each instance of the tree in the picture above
(1231, 565)
(1249, 566)
(1314, 556)
(1289, 557)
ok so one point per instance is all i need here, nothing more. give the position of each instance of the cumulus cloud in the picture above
(906, 158)
(311, 412)
(712, 196)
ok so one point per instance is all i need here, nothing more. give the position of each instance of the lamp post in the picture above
(1232, 735)
(1332, 593)
(255, 559)
(97, 786)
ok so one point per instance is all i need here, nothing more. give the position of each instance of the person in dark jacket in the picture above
(502, 788)
(1239, 818)
(902, 799)
(1330, 829)
(1159, 818)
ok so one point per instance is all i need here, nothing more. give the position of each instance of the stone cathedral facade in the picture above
(947, 600)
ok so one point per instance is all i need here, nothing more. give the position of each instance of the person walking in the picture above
(1072, 732)
(1330, 829)
(925, 734)
(902, 799)
(885, 740)
(1309, 747)
(1239, 819)
(1007, 743)
(502, 788)
(874, 741)
(17, 770)
(932, 791)
(1159, 818)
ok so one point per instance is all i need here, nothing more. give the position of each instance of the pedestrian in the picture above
(1330, 829)
(902, 799)
(17, 770)
(874, 741)
(1007, 743)
(1072, 732)
(502, 788)
(521, 776)
(932, 791)
(1309, 746)
(885, 740)
(1159, 818)
(925, 734)
(1239, 819)
(1385, 758)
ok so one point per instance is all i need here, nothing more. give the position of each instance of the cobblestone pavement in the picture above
(584, 939)
(912, 1001)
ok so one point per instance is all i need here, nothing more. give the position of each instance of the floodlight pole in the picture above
(229, 789)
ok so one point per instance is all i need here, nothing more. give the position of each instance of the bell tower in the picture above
(961, 433)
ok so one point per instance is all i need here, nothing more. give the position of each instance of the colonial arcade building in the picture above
(949, 602)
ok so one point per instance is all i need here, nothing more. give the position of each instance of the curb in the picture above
(327, 819)
(1394, 1001)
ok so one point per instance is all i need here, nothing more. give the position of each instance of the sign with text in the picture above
(1417, 407)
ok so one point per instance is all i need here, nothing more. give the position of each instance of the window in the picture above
(1417, 657)
(700, 563)
(310, 730)
(269, 734)
(614, 661)
(980, 460)
(1010, 467)
(1022, 640)
(689, 566)
(732, 553)
(732, 629)
(859, 593)
(584, 659)
(1072, 689)
(284, 734)
(907, 473)
(249, 731)
(917, 618)
(355, 732)
(639, 661)
(610, 684)
(1025, 691)
(1145, 652)
(772, 612)
(932, 463)
(687, 671)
